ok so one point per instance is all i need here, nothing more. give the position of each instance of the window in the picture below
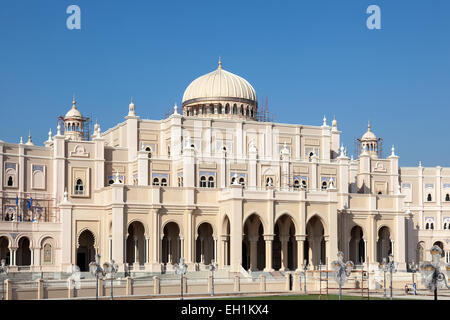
(269, 182)
(180, 181)
(233, 179)
(296, 185)
(211, 182)
(379, 192)
(324, 185)
(47, 253)
(445, 226)
(155, 181)
(303, 184)
(447, 197)
(111, 181)
(202, 182)
(148, 149)
(168, 151)
(242, 181)
(79, 187)
(10, 182)
(427, 226)
(429, 197)
(432, 226)
(164, 182)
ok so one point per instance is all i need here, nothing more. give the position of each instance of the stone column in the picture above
(181, 247)
(284, 252)
(202, 254)
(253, 253)
(135, 242)
(268, 240)
(300, 252)
(215, 249)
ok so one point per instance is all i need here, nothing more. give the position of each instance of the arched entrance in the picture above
(440, 245)
(420, 249)
(384, 244)
(357, 252)
(23, 252)
(86, 250)
(204, 250)
(4, 250)
(284, 244)
(226, 241)
(253, 244)
(315, 252)
(136, 244)
(171, 243)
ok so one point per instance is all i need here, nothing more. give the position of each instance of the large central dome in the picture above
(220, 93)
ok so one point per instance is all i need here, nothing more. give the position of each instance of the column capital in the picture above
(300, 237)
(269, 237)
(224, 237)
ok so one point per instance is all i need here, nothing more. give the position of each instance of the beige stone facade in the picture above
(214, 183)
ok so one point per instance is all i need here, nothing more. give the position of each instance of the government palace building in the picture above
(216, 181)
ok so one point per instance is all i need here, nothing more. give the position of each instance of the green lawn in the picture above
(303, 297)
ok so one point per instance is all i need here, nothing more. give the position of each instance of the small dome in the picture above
(369, 135)
(219, 85)
(73, 113)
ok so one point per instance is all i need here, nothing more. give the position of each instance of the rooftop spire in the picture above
(74, 102)
(220, 64)
(368, 125)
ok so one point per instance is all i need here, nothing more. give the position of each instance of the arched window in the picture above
(324, 185)
(296, 184)
(429, 197)
(211, 182)
(148, 149)
(379, 192)
(164, 182)
(303, 184)
(233, 179)
(180, 181)
(242, 181)
(155, 181)
(202, 182)
(10, 181)
(447, 197)
(79, 187)
(47, 253)
(445, 226)
(432, 226)
(269, 182)
(427, 226)
(111, 181)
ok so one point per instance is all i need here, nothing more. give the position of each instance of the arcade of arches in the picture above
(282, 250)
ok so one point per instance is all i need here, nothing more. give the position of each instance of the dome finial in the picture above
(368, 125)
(220, 63)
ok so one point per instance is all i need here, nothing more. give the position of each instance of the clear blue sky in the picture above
(309, 58)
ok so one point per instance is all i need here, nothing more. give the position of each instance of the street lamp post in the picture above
(390, 266)
(432, 276)
(181, 269)
(97, 271)
(3, 272)
(413, 267)
(341, 271)
(111, 268)
(383, 266)
(305, 268)
(212, 267)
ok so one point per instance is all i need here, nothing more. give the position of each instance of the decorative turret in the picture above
(370, 144)
(131, 109)
(74, 123)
